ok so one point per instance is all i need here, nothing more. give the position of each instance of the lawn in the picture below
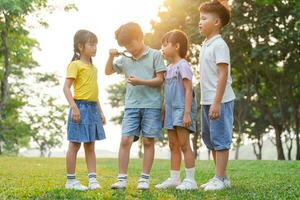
(44, 178)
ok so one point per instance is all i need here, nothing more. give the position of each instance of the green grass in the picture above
(43, 178)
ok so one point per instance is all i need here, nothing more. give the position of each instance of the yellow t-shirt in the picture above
(85, 83)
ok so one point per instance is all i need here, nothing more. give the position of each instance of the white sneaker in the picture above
(94, 185)
(120, 184)
(205, 184)
(75, 185)
(227, 182)
(187, 184)
(215, 184)
(143, 184)
(169, 183)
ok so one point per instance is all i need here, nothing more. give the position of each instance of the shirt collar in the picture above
(146, 51)
(208, 42)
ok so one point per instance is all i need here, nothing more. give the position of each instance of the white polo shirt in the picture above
(214, 51)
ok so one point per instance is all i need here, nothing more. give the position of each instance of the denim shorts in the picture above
(144, 122)
(217, 134)
(90, 127)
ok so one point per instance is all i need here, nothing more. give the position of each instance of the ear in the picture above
(177, 46)
(80, 47)
(218, 21)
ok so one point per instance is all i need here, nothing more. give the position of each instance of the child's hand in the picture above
(133, 80)
(113, 52)
(103, 119)
(214, 111)
(187, 121)
(75, 114)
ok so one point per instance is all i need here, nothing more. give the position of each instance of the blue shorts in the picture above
(90, 127)
(217, 134)
(142, 121)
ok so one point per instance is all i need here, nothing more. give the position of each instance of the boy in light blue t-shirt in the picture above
(144, 70)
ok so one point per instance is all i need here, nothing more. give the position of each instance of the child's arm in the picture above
(155, 82)
(102, 114)
(68, 94)
(188, 88)
(109, 64)
(214, 111)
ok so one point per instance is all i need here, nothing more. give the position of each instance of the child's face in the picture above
(135, 47)
(90, 49)
(169, 50)
(208, 23)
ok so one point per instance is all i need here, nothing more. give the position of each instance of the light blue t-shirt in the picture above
(146, 67)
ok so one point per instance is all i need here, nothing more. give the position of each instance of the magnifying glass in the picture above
(126, 54)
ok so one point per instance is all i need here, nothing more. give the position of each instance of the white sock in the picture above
(175, 174)
(122, 177)
(190, 173)
(92, 177)
(145, 176)
(71, 178)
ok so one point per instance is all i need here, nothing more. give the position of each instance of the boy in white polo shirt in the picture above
(216, 92)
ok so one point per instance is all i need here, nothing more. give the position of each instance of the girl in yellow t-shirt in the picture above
(86, 119)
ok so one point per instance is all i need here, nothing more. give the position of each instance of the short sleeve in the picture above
(222, 54)
(72, 70)
(186, 71)
(118, 65)
(159, 65)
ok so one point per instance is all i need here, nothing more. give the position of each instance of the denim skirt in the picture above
(90, 127)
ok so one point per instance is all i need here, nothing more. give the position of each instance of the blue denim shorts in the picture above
(217, 134)
(142, 121)
(90, 127)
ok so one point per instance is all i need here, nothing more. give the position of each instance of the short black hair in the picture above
(217, 8)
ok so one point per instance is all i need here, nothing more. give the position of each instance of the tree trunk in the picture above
(280, 153)
(238, 141)
(208, 156)
(236, 156)
(4, 82)
(297, 132)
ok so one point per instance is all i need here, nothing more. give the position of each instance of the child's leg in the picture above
(184, 141)
(221, 162)
(189, 182)
(175, 150)
(71, 157)
(148, 154)
(90, 156)
(124, 153)
(90, 159)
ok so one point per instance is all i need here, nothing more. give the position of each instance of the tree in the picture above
(15, 59)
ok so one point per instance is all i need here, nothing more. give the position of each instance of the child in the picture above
(86, 119)
(180, 110)
(216, 92)
(142, 116)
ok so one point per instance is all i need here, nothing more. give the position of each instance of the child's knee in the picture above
(174, 146)
(89, 146)
(184, 146)
(74, 147)
(148, 142)
(126, 142)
